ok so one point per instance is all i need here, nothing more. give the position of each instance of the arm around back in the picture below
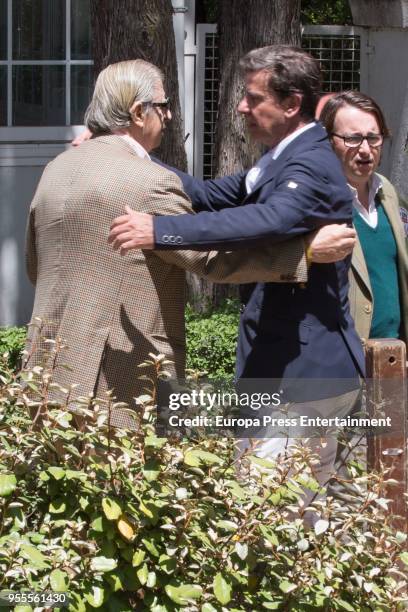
(301, 199)
(284, 262)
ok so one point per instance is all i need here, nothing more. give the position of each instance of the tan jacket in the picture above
(361, 297)
(111, 310)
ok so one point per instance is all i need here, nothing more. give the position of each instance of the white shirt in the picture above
(370, 215)
(256, 172)
(136, 146)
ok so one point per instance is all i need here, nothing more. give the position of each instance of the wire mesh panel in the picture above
(211, 86)
(339, 57)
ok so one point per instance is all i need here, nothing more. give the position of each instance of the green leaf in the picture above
(56, 472)
(286, 586)
(59, 581)
(84, 502)
(151, 580)
(57, 506)
(269, 535)
(8, 483)
(103, 564)
(63, 418)
(97, 524)
(227, 526)
(198, 457)
(116, 582)
(260, 462)
(222, 589)
(96, 597)
(151, 547)
(150, 510)
(154, 442)
(138, 558)
(183, 593)
(111, 509)
(142, 574)
(151, 470)
(208, 608)
(75, 474)
(34, 556)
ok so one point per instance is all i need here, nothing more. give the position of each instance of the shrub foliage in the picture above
(12, 342)
(124, 520)
(211, 339)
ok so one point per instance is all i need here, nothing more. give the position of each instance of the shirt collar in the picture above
(136, 146)
(375, 184)
(276, 151)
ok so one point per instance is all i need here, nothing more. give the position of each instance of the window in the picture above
(45, 64)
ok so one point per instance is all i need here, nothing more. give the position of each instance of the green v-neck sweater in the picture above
(380, 254)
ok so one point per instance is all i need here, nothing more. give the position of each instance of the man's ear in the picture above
(137, 114)
(292, 104)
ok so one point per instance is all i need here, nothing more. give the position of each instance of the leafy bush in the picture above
(328, 12)
(212, 338)
(12, 342)
(129, 521)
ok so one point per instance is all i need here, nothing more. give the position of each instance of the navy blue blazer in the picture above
(286, 330)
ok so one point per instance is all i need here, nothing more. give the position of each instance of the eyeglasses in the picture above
(356, 140)
(164, 105)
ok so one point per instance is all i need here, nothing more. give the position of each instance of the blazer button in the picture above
(368, 308)
(165, 238)
(179, 239)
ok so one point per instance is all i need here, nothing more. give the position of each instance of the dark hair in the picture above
(291, 70)
(357, 100)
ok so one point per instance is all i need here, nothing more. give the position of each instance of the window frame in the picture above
(59, 133)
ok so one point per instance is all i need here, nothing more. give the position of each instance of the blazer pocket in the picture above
(285, 330)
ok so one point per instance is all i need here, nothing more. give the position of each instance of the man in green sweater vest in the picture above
(379, 267)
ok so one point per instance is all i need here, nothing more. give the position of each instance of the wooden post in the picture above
(386, 366)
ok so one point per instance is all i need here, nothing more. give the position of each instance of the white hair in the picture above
(117, 88)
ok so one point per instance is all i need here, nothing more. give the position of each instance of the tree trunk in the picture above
(244, 25)
(142, 29)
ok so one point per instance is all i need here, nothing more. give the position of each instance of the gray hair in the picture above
(290, 70)
(117, 88)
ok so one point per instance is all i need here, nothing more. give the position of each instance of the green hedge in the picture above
(212, 338)
(11, 344)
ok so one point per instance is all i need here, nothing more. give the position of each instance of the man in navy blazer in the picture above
(286, 330)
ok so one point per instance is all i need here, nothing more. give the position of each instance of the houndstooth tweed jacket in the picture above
(112, 310)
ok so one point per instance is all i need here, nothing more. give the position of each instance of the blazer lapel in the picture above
(359, 265)
(302, 142)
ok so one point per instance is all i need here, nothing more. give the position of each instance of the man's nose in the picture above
(364, 147)
(243, 106)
